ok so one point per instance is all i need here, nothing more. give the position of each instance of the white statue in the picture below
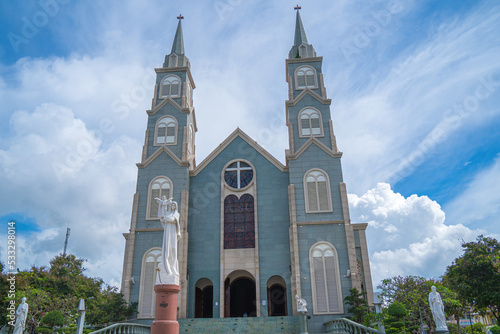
(168, 269)
(163, 206)
(21, 314)
(437, 309)
(301, 304)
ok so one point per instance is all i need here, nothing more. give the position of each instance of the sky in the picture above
(415, 89)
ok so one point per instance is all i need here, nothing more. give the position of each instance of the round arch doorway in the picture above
(240, 296)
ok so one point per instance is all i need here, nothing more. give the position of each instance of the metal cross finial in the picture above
(180, 17)
(297, 7)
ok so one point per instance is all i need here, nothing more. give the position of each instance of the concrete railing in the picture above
(346, 326)
(124, 328)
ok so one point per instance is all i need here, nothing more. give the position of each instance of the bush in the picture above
(44, 330)
(452, 328)
(397, 310)
(478, 328)
(65, 330)
(53, 318)
(495, 330)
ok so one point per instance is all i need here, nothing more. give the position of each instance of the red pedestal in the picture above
(166, 309)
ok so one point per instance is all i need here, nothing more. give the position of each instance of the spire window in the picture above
(170, 86)
(166, 131)
(305, 77)
(317, 192)
(310, 123)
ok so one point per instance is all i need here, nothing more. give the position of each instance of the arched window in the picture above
(147, 294)
(305, 77)
(170, 86)
(317, 192)
(160, 186)
(325, 278)
(166, 131)
(239, 226)
(310, 123)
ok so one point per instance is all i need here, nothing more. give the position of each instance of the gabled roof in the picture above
(172, 102)
(310, 142)
(238, 133)
(159, 151)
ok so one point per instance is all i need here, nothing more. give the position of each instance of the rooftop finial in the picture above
(180, 17)
(297, 7)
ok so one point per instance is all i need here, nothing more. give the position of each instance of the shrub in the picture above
(44, 330)
(53, 318)
(495, 330)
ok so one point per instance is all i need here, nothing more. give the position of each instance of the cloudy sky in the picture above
(415, 89)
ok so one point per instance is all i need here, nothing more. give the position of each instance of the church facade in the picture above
(255, 232)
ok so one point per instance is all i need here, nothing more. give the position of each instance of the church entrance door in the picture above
(242, 301)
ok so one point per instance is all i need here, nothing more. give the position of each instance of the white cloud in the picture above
(407, 236)
(93, 193)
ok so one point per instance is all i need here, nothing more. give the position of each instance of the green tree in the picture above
(52, 319)
(358, 305)
(60, 287)
(495, 330)
(396, 320)
(475, 275)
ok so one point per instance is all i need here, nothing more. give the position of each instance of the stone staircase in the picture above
(262, 325)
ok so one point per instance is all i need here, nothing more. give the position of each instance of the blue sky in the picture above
(415, 105)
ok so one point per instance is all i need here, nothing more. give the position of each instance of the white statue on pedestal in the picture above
(21, 314)
(168, 269)
(301, 304)
(437, 309)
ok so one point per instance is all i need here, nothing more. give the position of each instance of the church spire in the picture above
(176, 58)
(178, 45)
(301, 47)
(300, 33)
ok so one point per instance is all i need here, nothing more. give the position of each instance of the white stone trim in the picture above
(313, 284)
(328, 191)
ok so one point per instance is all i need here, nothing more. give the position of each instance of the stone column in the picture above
(166, 309)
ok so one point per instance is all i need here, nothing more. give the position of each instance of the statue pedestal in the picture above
(441, 331)
(303, 323)
(166, 309)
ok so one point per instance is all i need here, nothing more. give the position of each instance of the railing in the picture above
(346, 326)
(124, 328)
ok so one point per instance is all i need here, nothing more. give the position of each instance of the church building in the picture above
(255, 232)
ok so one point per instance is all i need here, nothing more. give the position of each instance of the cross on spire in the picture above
(180, 17)
(297, 7)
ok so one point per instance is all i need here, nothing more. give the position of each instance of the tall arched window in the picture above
(160, 186)
(170, 86)
(147, 294)
(310, 123)
(317, 192)
(305, 77)
(325, 278)
(166, 131)
(239, 222)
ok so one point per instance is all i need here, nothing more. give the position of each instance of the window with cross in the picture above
(238, 175)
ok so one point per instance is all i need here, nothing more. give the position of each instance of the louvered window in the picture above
(166, 129)
(170, 86)
(317, 191)
(306, 77)
(160, 186)
(147, 301)
(310, 123)
(326, 279)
